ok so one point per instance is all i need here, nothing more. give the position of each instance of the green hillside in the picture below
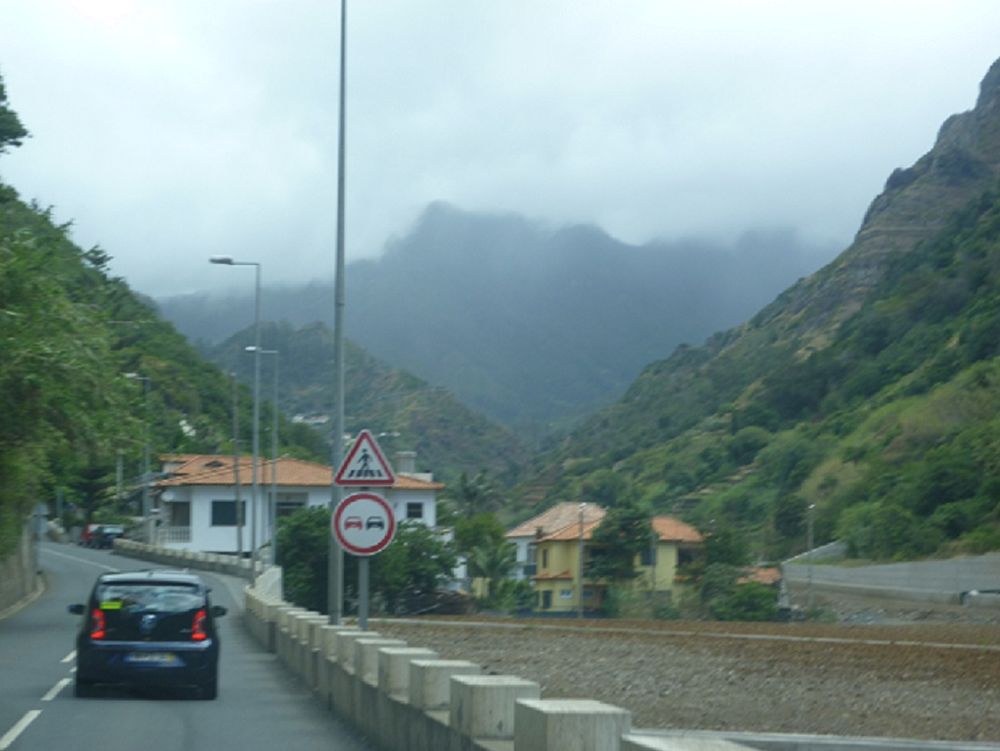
(69, 334)
(410, 414)
(868, 389)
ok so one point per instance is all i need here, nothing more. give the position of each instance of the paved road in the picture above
(259, 706)
(946, 576)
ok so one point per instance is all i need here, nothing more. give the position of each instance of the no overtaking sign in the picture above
(363, 524)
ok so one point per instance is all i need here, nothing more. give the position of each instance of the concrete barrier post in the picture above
(345, 646)
(314, 649)
(366, 656)
(678, 743)
(394, 668)
(342, 673)
(580, 724)
(430, 681)
(482, 706)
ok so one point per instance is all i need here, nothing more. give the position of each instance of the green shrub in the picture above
(752, 601)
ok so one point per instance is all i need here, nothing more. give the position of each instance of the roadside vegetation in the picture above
(70, 336)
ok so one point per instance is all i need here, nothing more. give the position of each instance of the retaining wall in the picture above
(18, 575)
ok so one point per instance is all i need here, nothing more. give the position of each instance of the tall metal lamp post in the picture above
(146, 511)
(272, 507)
(809, 544)
(229, 261)
(335, 561)
(579, 611)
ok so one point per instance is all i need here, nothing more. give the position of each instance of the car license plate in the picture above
(150, 658)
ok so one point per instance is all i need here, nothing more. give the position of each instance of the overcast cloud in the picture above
(172, 130)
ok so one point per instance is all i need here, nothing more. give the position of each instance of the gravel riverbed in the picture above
(902, 672)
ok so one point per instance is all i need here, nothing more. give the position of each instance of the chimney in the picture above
(406, 462)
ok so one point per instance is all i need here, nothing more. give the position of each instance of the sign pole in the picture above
(363, 593)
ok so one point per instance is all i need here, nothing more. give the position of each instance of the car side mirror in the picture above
(76, 609)
(218, 611)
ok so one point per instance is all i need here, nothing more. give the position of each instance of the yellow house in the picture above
(557, 579)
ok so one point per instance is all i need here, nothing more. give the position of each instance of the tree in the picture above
(492, 560)
(605, 488)
(621, 536)
(412, 568)
(476, 495)
(303, 551)
(480, 530)
(11, 130)
(725, 545)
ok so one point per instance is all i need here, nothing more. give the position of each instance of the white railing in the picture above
(167, 535)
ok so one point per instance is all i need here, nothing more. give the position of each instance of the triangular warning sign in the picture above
(365, 466)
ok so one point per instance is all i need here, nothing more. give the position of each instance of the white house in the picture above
(197, 498)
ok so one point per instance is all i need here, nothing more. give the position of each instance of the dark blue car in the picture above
(148, 628)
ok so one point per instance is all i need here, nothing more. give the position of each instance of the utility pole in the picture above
(236, 470)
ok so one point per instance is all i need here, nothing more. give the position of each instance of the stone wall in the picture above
(19, 578)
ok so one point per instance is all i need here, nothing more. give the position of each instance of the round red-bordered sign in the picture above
(363, 524)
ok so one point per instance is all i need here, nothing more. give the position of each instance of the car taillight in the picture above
(97, 624)
(198, 626)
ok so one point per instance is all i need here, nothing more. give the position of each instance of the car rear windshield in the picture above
(150, 597)
(149, 611)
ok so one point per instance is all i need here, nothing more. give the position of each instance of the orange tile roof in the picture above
(556, 518)
(572, 532)
(669, 529)
(764, 575)
(217, 469)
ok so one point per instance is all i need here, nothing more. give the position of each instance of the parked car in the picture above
(148, 628)
(87, 535)
(106, 534)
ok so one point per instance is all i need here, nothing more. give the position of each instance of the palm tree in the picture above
(492, 561)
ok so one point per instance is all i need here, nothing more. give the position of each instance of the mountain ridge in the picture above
(534, 326)
(848, 393)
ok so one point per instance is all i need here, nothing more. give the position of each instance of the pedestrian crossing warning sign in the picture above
(365, 466)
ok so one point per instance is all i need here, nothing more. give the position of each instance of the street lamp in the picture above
(145, 454)
(579, 612)
(809, 543)
(335, 559)
(229, 261)
(273, 505)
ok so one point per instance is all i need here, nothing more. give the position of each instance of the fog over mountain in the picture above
(528, 323)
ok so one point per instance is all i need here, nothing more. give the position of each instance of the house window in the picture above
(180, 514)
(565, 594)
(546, 599)
(545, 559)
(647, 557)
(224, 513)
(414, 511)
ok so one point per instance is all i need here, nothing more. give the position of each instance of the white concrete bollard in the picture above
(366, 656)
(430, 681)
(678, 743)
(345, 646)
(482, 706)
(394, 667)
(329, 635)
(579, 724)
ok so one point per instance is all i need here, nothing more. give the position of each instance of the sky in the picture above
(168, 131)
